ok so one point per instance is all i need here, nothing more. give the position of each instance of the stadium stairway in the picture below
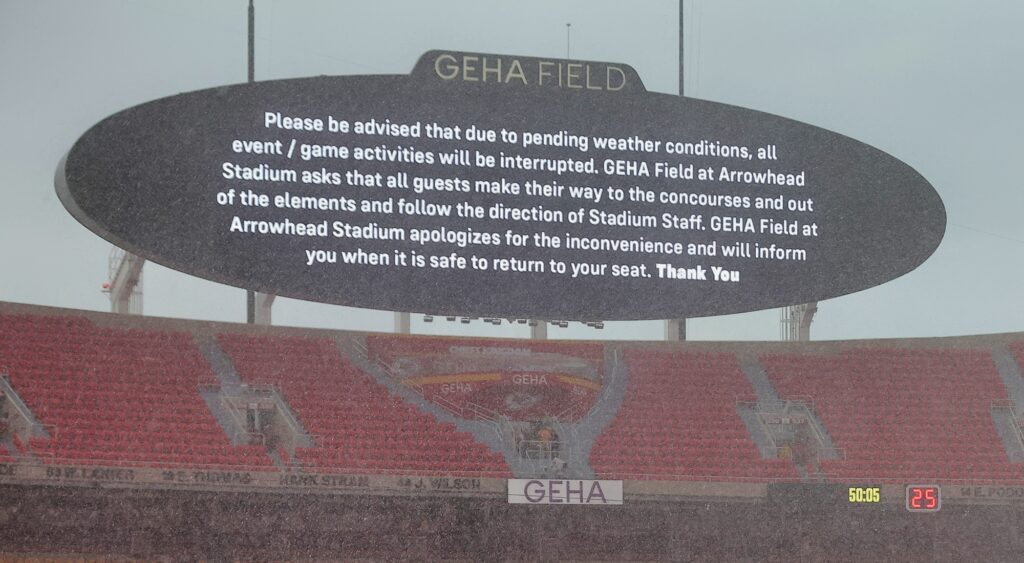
(16, 453)
(30, 418)
(1010, 373)
(34, 426)
(576, 437)
(224, 420)
(219, 362)
(229, 382)
(768, 400)
(1005, 417)
(231, 385)
(766, 394)
(757, 432)
(613, 394)
(758, 378)
(1004, 420)
(485, 432)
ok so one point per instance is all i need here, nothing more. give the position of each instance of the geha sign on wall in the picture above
(564, 491)
(488, 185)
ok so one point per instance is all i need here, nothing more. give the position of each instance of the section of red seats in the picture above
(116, 396)
(679, 421)
(357, 424)
(903, 414)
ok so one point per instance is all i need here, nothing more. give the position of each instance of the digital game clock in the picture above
(924, 498)
(859, 495)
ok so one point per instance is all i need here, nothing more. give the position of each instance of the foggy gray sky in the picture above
(934, 83)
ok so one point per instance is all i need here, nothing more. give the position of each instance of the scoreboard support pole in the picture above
(681, 47)
(264, 306)
(539, 331)
(403, 323)
(675, 329)
(257, 305)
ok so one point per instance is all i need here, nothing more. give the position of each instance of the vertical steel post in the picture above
(250, 295)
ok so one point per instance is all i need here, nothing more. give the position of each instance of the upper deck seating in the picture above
(679, 421)
(356, 423)
(115, 396)
(900, 413)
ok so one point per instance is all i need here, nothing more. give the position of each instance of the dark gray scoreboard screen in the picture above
(500, 186)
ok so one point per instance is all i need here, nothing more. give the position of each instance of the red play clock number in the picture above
(924, 498)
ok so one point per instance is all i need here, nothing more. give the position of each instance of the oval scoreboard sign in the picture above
(497, 186)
